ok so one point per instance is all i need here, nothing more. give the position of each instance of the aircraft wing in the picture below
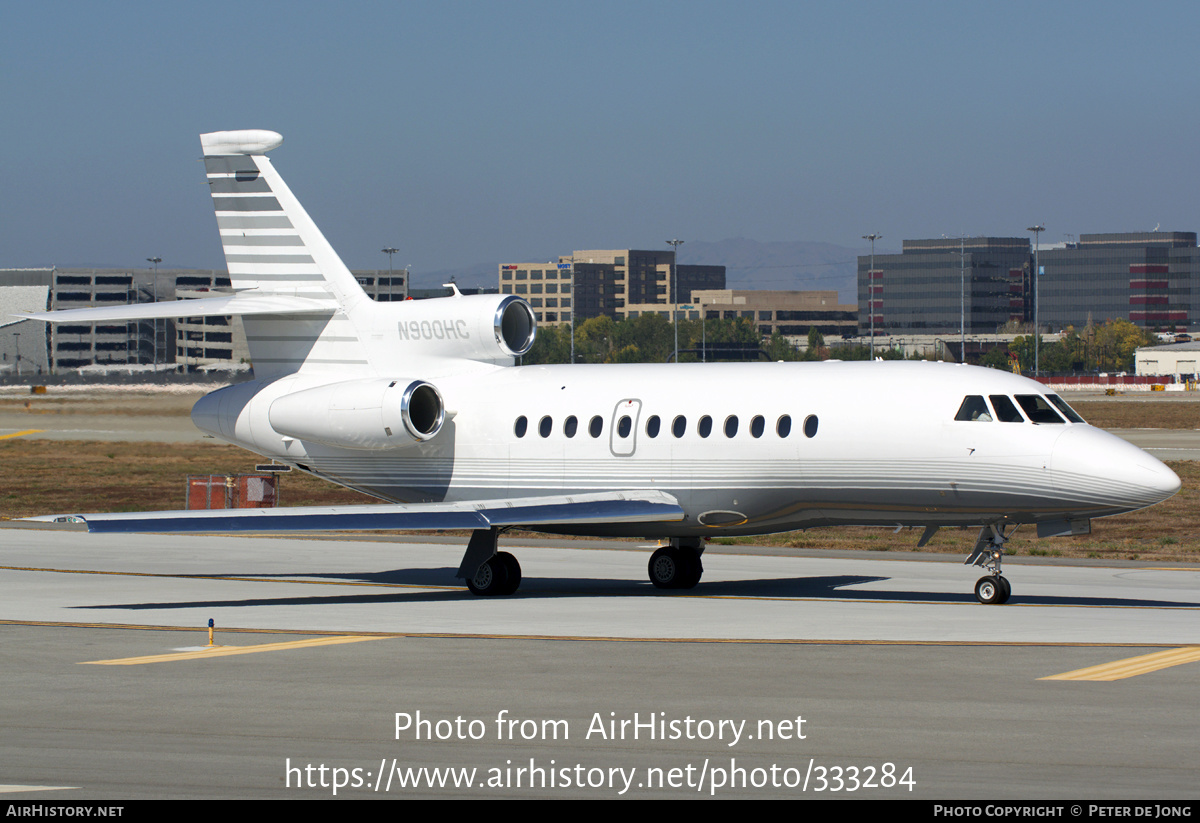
(222, 306)
(601, 507)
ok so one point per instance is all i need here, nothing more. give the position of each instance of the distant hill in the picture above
(780, 265)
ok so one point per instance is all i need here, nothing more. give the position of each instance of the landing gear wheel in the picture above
(491, 578)
(988, 553)
(672, 568)
(664, 567)
(690, 569)
(512, 569)
(990, 590)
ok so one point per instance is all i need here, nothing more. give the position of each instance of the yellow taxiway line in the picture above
(1133, 666)
(226, 651)
(21, 434)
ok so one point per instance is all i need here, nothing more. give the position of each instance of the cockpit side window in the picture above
(1038, 409)
(1006, 412)
(1062, 406)
(974, 407)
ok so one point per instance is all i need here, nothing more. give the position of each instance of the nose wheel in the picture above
(993, 588)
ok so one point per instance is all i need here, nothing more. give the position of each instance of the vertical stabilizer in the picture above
(272, 246)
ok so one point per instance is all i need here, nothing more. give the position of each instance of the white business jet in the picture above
(420, 405)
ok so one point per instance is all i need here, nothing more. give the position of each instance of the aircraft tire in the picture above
(513, 571)
(491, 578)
(691, 569)
(989, 590)
(665, 567)
(672, 568)
(1005, 589)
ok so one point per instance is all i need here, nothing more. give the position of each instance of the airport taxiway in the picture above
(321, 643)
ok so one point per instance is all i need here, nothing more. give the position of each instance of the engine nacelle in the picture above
(361, 414)
(485, 327)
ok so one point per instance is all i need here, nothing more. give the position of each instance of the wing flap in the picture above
(602, 507)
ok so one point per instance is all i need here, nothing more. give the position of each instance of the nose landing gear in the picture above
(994, 588)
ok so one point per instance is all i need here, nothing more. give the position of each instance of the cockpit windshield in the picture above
(1006, 411)
(974, 408)
(1038, 409)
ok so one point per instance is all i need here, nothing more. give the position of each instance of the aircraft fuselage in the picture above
(744, 448)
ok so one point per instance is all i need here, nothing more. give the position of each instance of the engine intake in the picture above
(361, 414)
(487, 328)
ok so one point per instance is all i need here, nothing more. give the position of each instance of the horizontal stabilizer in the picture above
(230, 305)
(602, 507)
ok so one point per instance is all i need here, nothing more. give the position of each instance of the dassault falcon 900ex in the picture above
(420, 405)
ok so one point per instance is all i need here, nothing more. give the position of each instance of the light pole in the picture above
(962, 300)
(572, 271)
(1037, 331)
(871, 288)
(675, 295)
(17, 342)
(155, 260)
(389, 251)
(962, 276)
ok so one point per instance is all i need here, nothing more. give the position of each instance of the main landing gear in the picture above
(678, 565)
(487, 571)
(993, 588)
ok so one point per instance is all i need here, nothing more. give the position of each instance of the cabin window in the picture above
(756, 426)
(704, 427)
(810, 426)
(1038, 409)
(784, 427)
(1006, 412)
(624, 426)
(545, 425)
(731, 425)
(653, 425)
(1062, 406)
(570, 425)
(974, 407)
(521, 426)
(679, 426)
(596, 426)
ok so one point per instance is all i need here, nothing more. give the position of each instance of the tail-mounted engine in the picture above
(361, 414)
(482, 327)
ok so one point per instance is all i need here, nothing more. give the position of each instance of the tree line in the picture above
(649, 338)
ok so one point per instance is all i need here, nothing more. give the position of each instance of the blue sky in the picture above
(469, 132)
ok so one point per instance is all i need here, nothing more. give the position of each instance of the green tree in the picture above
(552, 345)
(595, 339)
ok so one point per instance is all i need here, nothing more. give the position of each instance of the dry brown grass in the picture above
(48, 476)
(1139, 414)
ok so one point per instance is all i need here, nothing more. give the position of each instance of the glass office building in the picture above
(1151, 279)
(933, 285)
(1143, 277)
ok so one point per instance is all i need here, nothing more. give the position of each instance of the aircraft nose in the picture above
(1106, 468)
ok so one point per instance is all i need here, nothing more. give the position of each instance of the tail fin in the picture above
(272, 247)
(271, 244)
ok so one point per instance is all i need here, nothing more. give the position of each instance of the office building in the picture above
(605, 282)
